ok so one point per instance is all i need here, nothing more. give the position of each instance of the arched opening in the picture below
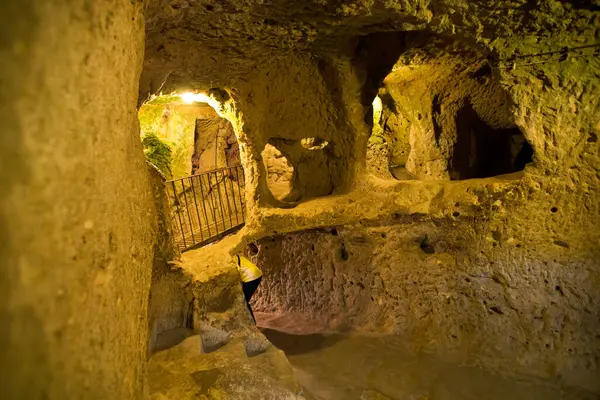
(298, 169)
(185, 135)
(190, 139)
(388, 146)
(482, 151)
(445, 115)
(280, 172)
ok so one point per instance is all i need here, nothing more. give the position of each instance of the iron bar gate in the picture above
(206, 206)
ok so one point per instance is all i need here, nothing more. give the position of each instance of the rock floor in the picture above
(327, 366)
(355, 367)
(186, 372)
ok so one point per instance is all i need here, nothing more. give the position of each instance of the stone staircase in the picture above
(220, 354)
(230, 372)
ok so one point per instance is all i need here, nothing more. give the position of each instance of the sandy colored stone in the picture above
(215, 145)
(466, 295)
(182, 372)
(78, 221)
(501, 271)
(280, 171)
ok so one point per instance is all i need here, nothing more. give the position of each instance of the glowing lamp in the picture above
(188, 97)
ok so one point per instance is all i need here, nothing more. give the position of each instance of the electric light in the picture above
(188, 97)
(191, 97)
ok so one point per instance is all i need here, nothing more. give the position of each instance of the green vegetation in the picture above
(158, 153)
(165, 99)
(150, 118)
(173, 124)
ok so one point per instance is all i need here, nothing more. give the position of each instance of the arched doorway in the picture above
(195, 148)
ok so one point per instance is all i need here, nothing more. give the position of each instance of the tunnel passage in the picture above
(445, 114)
(481, 151)
(200, 159)
(184, 135)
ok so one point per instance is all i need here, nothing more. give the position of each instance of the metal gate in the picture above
(206, 206)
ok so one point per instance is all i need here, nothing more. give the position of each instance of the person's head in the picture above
(252, 249)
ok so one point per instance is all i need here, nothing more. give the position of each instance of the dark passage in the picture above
(481, 151)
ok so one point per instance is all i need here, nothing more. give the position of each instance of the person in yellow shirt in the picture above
(250, 275)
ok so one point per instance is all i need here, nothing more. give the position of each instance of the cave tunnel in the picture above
(457, 96)
(183, 135)
(481, 151)
(411, 189)
(190, 140)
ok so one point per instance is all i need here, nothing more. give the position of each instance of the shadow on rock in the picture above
(300, 344)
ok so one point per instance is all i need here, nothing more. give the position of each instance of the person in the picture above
(250, 275)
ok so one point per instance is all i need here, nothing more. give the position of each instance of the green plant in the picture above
(158, 153)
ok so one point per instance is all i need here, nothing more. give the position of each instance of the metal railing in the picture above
(207, 206)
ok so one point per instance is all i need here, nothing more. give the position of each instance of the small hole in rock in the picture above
(481, 150)
(344, 254)
(334, 232)
(484, 71)
(456, 214)
(383, 236)
(554, 209)
(559, 290)
(209, 7)
(561, 243)
(426, 246)
(496, 310)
